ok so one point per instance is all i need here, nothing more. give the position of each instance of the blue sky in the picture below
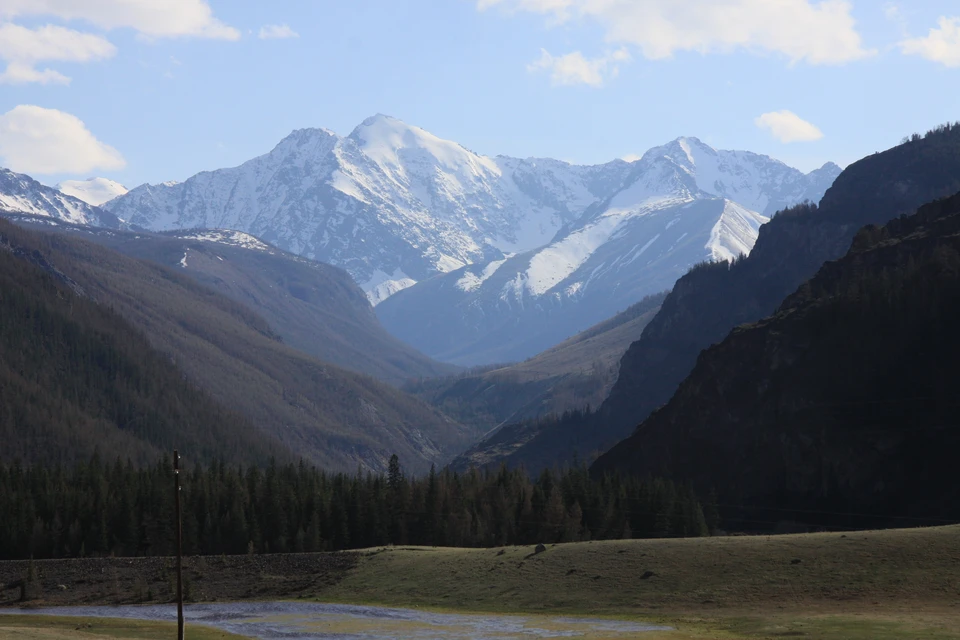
(150, 90)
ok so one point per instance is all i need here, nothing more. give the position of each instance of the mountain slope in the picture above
(75, 378)
(93, 191)
(842, 402)
(390, 203)
(707, 303)
(512, 401)
(576, 373)
(673, 212)
(313, 307)
(20, 193)
(711, 299)
(334, 418)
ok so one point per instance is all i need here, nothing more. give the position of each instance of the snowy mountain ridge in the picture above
(391, 203)
(93, 191)
(472, 258)
(682, 203)
(20, 193)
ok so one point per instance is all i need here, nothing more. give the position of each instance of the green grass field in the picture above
(871, 585)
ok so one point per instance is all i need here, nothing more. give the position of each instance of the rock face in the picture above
(840, 404)
(681, 204)
(20, 193)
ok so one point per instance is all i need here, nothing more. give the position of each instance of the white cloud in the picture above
(152, 18)
(940, 45)
(818, 33)
(20, 73)
(631, 157)
(36, 140)
(786, 126)
(277, 31)
(574, 68)
(22, 48)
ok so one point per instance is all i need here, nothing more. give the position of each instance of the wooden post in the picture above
(176, 481)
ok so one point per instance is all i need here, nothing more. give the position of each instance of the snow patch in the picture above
(735, 232)
(228, 237)
(383, 285)
(553, 264)
(471, 281)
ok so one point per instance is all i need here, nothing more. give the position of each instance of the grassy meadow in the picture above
(873, 585)
(870, 585)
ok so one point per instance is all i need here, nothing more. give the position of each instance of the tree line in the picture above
(98, 509)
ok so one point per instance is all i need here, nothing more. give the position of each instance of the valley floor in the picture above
(875, 584)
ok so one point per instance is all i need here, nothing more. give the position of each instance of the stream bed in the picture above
(294, 620)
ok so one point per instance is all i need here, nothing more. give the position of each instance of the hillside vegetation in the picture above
(75, 377)
(315, 308)
(334, 418)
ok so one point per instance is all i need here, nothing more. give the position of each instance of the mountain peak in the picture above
(380, 117)
(307, 134)
(93, 191)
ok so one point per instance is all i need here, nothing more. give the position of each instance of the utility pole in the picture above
(176, 481)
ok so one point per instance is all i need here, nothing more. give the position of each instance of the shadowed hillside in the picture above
(76, 378)
(841, 407)
(335, 418)
(314, 307)
(712, 299)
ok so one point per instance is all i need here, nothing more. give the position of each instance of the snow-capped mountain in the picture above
(682, 203)
(93, 191)
(20, 193)
(391, 203)
(477, 259)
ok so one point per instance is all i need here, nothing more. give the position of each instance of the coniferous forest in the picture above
(100, 509)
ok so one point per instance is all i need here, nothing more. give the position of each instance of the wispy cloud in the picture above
(786, 126)
(574, 69)
(22, 48)
(151, 18)
(817, 33)
(36, 140)
(939, 45)
(276, 32)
